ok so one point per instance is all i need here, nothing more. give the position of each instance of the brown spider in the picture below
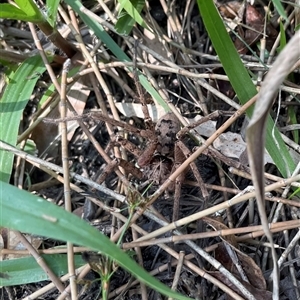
(164, 153)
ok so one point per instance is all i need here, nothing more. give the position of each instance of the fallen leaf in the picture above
(217, 224)
(232, 145)
(257, 293)
(250, 268)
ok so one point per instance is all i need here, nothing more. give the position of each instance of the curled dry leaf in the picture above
(230, 11)
(250, 268)
(235, 13)
(257, 293)
(252, 272)
(256, 132)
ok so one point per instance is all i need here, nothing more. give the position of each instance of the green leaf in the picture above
(27, 213)
(27, 11)
(282, 37)
(293, 120)
(52, 7)
(8, 11)
(26, 270)
(30, 9)
(129, 15)
(115, 49)
(241, 82)
(12, 104)
(280, 9)
(30, 147)
(295, 193)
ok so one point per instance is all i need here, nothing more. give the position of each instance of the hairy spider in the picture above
(164, 153)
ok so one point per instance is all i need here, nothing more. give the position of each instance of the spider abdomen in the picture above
(166, 129)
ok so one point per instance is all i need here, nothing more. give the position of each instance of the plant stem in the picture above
(55, 37)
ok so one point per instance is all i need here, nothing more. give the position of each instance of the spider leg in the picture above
(136, 73)
(211, 116)
(178, 159)
(194, 169)
(127, 166)
(132, 148)
(177, 194)
(144, 157)
(131, 168)
(107, 170)
(145, 133)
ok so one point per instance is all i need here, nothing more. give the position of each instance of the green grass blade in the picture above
(30, 9)
(282, 37)
(129, 15)
(26, 270)
(241, 81)
(115, 49)
(52, 7)
(232, 64)
(28, 213)
(293, 120)
(280, 8)
(12, 104)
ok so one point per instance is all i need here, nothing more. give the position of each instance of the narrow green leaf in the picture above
(129, 15)
(27, 213)
(232, 64)
(293, 120)
(297, 192)
(280, 9)
(12, 104)
(52, 7)
(114, 48)
(282, 37)
(241, 81)
(26, 270)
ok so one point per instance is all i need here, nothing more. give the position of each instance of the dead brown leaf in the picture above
(250, 268)
(257, 293)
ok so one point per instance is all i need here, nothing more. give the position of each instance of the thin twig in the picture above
(65, 163)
